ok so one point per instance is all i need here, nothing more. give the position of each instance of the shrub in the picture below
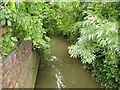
(98, 46)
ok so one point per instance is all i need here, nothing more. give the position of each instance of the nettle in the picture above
(98, 46)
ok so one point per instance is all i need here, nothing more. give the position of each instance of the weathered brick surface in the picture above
(12, 66)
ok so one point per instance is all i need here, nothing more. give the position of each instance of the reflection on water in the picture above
(59, 80)
(61, 71)
(58, 75)
(53, 58)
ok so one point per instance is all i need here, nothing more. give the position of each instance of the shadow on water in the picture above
(58, 70)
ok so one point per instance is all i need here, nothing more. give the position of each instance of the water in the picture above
(58, 70)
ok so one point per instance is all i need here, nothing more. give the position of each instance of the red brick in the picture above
(15, 65)
(2, 66)
(1, 31)
(4, 73)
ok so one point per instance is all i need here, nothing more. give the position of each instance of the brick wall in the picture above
(13, 65)
(16, 65)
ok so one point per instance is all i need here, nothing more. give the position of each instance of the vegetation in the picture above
(94, 35)
(91, 29)
(25, 24)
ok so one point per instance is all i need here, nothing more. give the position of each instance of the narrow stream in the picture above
(58, 70)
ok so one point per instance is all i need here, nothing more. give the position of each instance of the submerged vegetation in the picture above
(90, 28)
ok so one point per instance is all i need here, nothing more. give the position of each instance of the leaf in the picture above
(9, 23)
(7, 38)
(47, 38)
(3, 21)
(10, 29)
(99, 35)
(12, 5)
(107, 32)
(14, 39)
(89, 37)
(13, 44)
(109, 41)
(29, 38)
(4, 30)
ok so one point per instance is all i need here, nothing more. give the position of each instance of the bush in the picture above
(98, 46)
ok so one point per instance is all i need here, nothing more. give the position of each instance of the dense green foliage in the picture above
(95, 40)
(98, 44)
(91, 28)
(26, 24)
(71, 18)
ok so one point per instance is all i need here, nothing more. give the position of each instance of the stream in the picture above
(59, 70)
